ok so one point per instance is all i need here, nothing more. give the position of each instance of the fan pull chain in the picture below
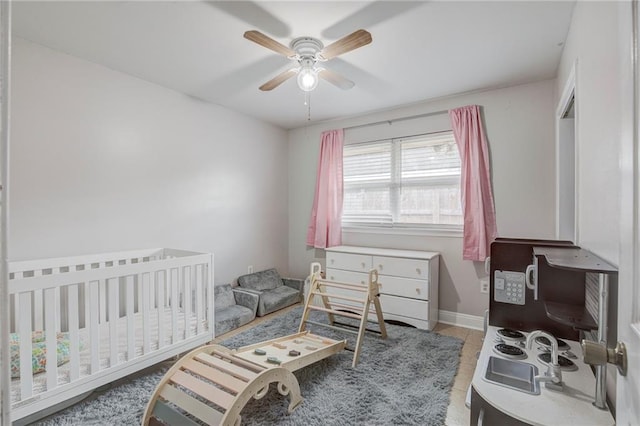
(307, 102)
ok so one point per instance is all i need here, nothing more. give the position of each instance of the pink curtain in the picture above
(325, 226)
(475, 186)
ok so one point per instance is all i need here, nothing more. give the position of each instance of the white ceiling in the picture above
(420, 50)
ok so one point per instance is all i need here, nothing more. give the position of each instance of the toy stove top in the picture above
(510, 344)
(545, 344)
(509, 335)
(565, 363)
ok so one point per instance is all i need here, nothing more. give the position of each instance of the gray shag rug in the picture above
(402, 380)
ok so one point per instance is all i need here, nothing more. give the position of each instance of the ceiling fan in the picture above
(307, 53)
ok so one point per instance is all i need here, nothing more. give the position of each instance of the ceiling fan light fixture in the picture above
(308, 79)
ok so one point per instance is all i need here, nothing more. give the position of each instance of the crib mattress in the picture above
(40, 379)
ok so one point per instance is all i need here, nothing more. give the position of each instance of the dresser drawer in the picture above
(404, 287)
(399, 267)
(403, 307)
(348, 261)
(347, 276)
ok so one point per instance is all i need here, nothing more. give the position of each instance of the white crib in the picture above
(122, 311)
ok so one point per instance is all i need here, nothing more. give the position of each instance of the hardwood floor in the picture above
(457, 413)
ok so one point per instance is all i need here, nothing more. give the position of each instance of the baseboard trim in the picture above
(461, 320)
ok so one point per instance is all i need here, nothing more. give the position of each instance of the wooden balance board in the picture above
(212, 384)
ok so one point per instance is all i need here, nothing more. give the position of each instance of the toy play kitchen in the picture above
(545, 298)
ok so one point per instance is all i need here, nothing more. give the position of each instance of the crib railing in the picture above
(59, 266)
(115, 309)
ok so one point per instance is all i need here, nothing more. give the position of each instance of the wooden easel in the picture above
(355, 305)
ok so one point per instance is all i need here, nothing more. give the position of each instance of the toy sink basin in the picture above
(515, 375)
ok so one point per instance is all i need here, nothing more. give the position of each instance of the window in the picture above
(404, 182)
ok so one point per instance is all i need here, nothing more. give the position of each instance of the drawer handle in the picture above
(332, 278)
(361, 281)
(363, 264)
(418, 290)
(380, 266)
(333, 260)
(418, 271)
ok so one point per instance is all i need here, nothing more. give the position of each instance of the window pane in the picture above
(366, 202)
(367, 162)
(435, 205)
(427, 157)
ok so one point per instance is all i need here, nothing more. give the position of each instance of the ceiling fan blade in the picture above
(367, 17)
(255, 15)
(346, 44)
(268, 42)
(336, 79)
(278, 79)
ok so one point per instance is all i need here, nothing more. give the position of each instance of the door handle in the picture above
(527, 277)
(595, 353)
(528, 274)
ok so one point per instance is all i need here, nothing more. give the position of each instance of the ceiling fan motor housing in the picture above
(307, 47)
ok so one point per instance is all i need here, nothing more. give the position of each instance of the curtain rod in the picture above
(411, 117)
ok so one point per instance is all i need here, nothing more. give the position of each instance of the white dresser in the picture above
(408, 280)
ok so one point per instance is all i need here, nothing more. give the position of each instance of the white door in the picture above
(628, 387)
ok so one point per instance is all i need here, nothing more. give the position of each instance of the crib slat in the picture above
(38, 308)
(187, 302)
(24, 326)
(175, 301)
(161, 307)
(15, 303)
(148, 280)
(209, 297)
(113, 288)
(74, 333)
(57, 299)
(138, 304)
(102, 286)
(195, 278)
(50, 312)
(131, 326)
(94, 324)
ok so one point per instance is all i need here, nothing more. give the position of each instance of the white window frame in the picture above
(397, 227)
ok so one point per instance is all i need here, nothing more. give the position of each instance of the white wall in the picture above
(102, 161)
(593, 46)
(520, 132)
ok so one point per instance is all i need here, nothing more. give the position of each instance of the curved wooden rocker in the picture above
(213, 386)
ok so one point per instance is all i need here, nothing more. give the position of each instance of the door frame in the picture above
(569, 94)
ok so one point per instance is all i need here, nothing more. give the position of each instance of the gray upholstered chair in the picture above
(275, 292)
(233, 307)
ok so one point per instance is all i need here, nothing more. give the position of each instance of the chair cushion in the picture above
(263, 280)
(278, 298)
(223, 297)
(232, 317)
